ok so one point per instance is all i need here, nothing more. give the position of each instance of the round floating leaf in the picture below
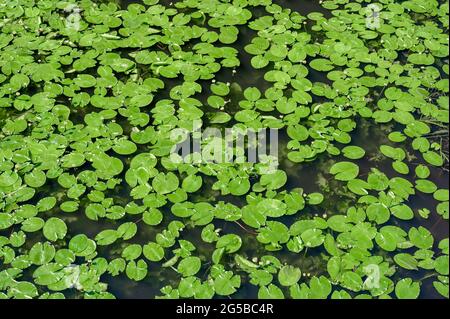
(124, 147)
(352, 281)
(421, 237)
(192, 183)
(137, 271)
(189, 266)
(270, 292)
(433, 158)
(272, 208)
(85, 81)
(323, 65)
(422, 171)
(228, 34)
(165, 183)
(289, 276)
(406, 261)
(239, 186)
(403, 212)
(55, 229)
(407, 289)
(426, 186)
(345, 171)
(153, 252)
(231, 242)
(315, 198)
(353, 152)
(106, 237)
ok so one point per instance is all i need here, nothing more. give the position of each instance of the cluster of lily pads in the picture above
(89, 193)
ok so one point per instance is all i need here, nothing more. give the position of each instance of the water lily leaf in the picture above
(289, 275)
(106, 237)
(443, 209)
(32, 224)
(275, 180)
(228, 34)
(378, 212)
(277, 76)
(315, 198)
(124, 147)
(406, 261)
(312, 237)
(395, 153)
(92, 94)
(132, 252)
(189, 266)
(35, 179)
(421, 237)
(353, 152)
(153, 217)
(259, 62)
(352, 281)
(358, 186)
(320, 288)
(153, 252)
(81, 245)
(137, 271)
(400, 167)
(298, 132)
(239, 186)
(192, 183)
(270, 292)
(216, 101)
(422, 171)
(226, 284)
(55, 229)
(441, 265)
(402, 211)
(127, 230)
(441, 195)
(252, 94)
(246, 116)
(345, 171)
(272, 208)
(433, 158)
(165, 183)
(107, 166)
(219, 118)
(426, 186)
(252, 217)
(323, 65)
(231, 242)
(442, 288)
(407, 289)
(69, 206)
(122, 65)
(220, 88)
(85, 80)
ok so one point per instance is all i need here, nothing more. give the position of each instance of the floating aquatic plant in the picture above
(91, 92)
